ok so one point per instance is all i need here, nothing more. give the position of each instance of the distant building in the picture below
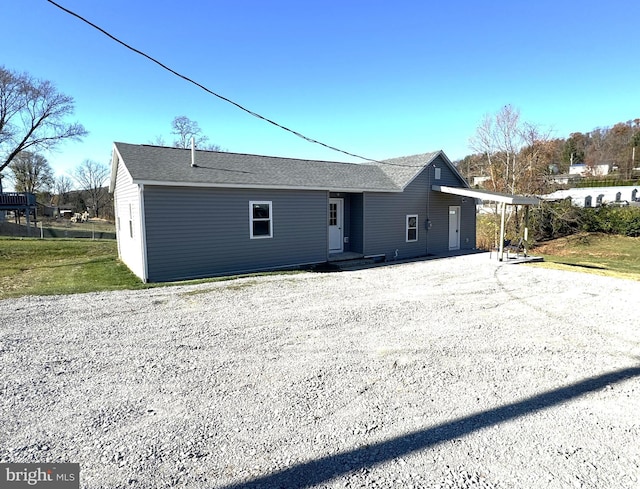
(476, 181)
(564, 179)
(598, 170)
(597, 196)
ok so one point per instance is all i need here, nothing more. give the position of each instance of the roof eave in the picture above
(159, 183)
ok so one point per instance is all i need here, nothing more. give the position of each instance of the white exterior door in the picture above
(454, 227)
(336, 233)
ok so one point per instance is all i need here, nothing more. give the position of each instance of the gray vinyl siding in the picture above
(200, 232)
(385, 221)
(385, 217)
(439, 212)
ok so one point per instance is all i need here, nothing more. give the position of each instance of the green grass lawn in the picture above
(602, 254)
(31, 266)
(61, 266)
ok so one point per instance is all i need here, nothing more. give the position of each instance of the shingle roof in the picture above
(403, 170)
(172, 166)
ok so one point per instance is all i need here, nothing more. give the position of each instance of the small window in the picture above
(260, 217)
(438, 172)
(333, 214)
(130, 221)
(412, 228)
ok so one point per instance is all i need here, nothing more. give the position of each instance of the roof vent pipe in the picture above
(193, 152)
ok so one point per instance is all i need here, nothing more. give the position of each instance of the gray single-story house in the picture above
(183, 214)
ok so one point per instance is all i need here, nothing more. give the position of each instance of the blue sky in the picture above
(376, 78)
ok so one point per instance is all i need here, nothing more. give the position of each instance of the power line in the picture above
(209, 91)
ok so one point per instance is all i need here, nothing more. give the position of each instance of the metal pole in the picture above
(501, 252)
(526, 229)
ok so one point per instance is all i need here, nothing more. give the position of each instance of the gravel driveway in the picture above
(452, 373)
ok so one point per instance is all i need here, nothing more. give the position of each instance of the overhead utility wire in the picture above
(255, 114)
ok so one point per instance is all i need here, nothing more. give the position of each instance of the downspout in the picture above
(143, 236)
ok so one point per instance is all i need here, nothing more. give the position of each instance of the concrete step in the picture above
(357, 264)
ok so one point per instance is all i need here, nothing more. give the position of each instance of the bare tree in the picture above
(32, 114)
(499, 138)
(535, 158)
(517, 157)
(514, 151)
(157, 141)
(471, 166)
(62, 187)
(185, 129)
(31, 172)
(91, 177)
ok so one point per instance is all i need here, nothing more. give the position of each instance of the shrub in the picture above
(624, 221)
(552, 220)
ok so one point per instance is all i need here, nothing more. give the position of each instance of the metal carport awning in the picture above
(487, 196)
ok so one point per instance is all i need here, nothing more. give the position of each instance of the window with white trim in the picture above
(438, 173)
(412, 227)
(260, 219)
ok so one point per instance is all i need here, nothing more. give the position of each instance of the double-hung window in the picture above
(260, 219)
(412, 228)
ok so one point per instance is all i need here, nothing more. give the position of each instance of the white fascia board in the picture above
(115, 159)
(261, 187)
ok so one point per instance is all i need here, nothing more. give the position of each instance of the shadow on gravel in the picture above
(317, 471)
(583, 265)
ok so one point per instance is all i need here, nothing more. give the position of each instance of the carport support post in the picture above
(501, 252)
(526, 230)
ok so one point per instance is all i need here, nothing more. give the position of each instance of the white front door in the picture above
(454, 227)
(336, 234)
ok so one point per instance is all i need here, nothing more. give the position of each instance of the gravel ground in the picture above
(450, 373)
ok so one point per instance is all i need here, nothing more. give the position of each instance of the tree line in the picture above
(87, 191)
(33, 117)
(514, 156)
(517, 157)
